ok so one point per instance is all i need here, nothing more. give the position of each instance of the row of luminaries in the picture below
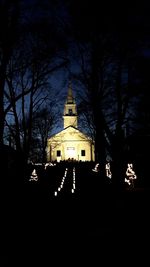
(69, 174)
(130, 175)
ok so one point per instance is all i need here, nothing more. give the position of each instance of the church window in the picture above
(58, 153)
(70, 111)
(83, 153)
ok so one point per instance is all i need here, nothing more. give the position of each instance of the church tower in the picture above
(70, 143)
(70, 110)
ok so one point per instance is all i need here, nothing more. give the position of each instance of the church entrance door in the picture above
(71, 153)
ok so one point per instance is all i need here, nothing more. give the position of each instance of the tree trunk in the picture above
(2, 84)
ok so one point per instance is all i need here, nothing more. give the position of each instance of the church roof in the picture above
(71, 128)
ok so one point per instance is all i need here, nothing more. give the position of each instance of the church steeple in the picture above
(70, 110)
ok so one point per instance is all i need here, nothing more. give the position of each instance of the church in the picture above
(70, 143)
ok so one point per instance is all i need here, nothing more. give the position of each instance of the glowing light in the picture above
(130, 175)
(127, 181)
(70, 152)
(34, 176)
(108, 171)
(96, 168)
(62, 182)
(49, 164)
(73, 185)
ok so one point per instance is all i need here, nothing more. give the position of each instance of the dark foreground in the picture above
(101, 228)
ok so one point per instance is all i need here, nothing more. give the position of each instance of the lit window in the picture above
(83, 153)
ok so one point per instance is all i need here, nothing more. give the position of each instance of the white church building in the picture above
(70, 143)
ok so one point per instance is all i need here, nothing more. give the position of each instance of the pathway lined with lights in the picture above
(63, 183)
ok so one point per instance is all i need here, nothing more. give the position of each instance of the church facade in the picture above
(70, 143)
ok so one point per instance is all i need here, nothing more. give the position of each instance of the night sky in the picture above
(100, 226)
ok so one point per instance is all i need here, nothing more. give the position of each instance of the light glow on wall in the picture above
(71, 152)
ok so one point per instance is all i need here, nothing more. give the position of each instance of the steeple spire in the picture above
(70, 112)
(70, 98)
